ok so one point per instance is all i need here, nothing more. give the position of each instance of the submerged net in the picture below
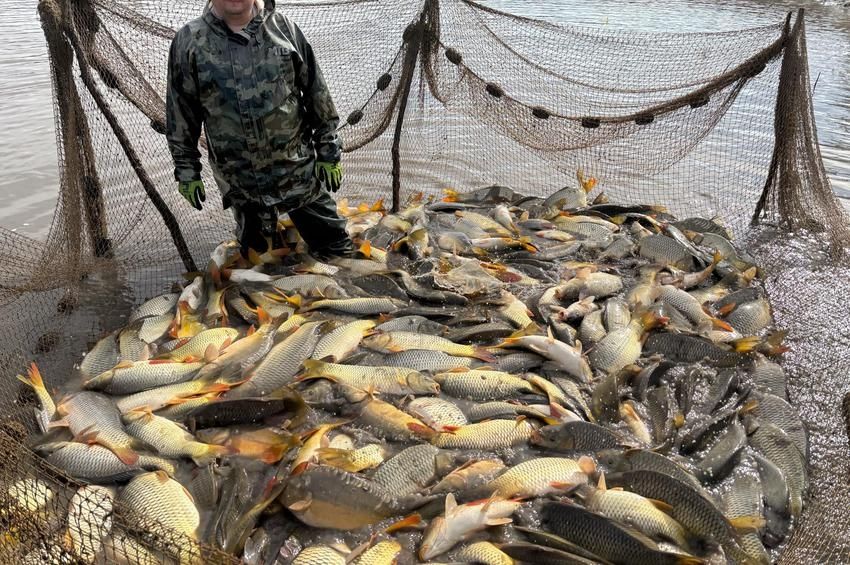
(435, 95)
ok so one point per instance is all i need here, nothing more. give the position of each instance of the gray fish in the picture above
(102, 357)
(604, 537)
(96, 464)
(666, 251)
(412, 324)
(412, 469)
(518, 362)
(662, 419)
(688, 506)
(154, 307)
(550, 540)
(576, 436)
(744, 500)
(777, 500)
(723, 455)
(424, 294)
(643, 459)
(378, 285)
(327, 497)
(436, 412)
(280, 366)
(752, 317)
(95, 416)
(702, 225)
(681, 348)
(424, 360)
(777, 411)
(769, 377)
(779, 448)
(480, 333)
(542, 555)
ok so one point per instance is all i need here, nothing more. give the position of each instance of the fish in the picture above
(170, 395)
(495, 434)
(342, 342)
(630, 416)
(284, 404)
(170, 439)
(776, 410)
(617, 314)
(636, 459)
(412, 469)
(743, 499)
(47, 412)
(480, 385)
(310, 286)
(485, 553)
(392, 342)
(319, 555)
(592, 329)
(515, 311)
(158, 497)
(569, 359)
(353, 460)
(327, 497)
(391, 423)
(604, 537)
(510, 411)
(769, 377)
(268, 445)
(104, 355)
(196, 347)
(459, 522)
(436, 413)
(242, 355)
(382, 553)
(525, 552)
(128, 377)
(680, 348)
(89, 521)
(620, 348)
(690, 308)
(130, 346)
(502, 214)
(481, 222)
(416, 243)
(312, 441)
(468, 476)
(540, 476)
(666, 251)
(154, 307)
(94, 418)
(723, 455)
(633, 510)
(777, 447)
(362, 306)
(588, 283)
(99, 465)
(154, 328)
(282, 363)
(576, 436)
(689, 507)
(397, 381)
(424, 360)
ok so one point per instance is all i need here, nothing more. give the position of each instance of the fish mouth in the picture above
(536, 437)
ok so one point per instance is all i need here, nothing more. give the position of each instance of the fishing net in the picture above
(435, 95)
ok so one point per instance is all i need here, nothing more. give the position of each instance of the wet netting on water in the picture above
(433, 95)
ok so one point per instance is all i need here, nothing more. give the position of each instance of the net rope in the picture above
(708, 124)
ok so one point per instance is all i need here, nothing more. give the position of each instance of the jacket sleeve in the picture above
(320, 112)
(183, 111)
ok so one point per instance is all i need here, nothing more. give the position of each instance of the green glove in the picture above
(193, 191)
(330, 174)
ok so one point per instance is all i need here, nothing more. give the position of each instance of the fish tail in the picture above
(689, 560)
(773, 343)
(366, 249)
(746, 344)
(483, 354)
(339, 458)
(747, 524)
(125, 454)
(721, 325)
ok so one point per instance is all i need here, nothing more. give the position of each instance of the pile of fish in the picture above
(493, 379)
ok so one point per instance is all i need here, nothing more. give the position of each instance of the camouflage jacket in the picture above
(264, 104)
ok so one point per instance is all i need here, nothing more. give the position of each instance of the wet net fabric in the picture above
(713, 124)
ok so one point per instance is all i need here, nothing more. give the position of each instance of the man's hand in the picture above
(330, 174)
(194, 192)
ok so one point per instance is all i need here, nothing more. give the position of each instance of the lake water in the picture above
(28, 172)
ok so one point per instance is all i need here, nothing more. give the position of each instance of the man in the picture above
(248, 75)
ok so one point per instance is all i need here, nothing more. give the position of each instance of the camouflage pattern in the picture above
(263, 102)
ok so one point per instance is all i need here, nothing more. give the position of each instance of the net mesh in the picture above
(433, 95)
